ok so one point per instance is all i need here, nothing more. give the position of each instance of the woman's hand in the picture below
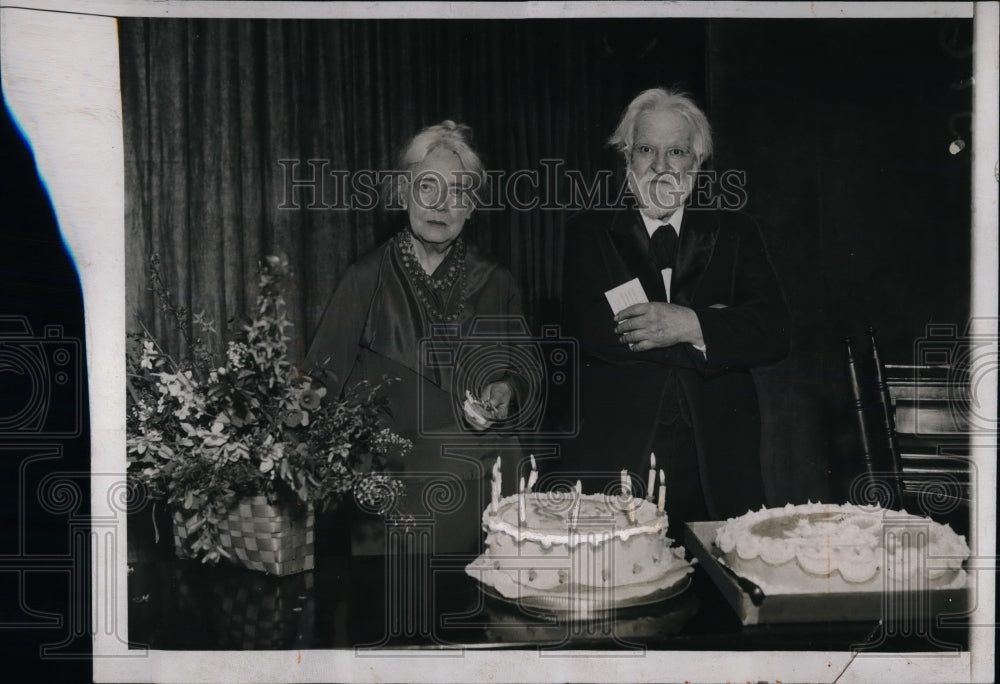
(496, 397)
(492, 405)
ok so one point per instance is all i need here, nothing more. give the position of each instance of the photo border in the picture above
(61, 82)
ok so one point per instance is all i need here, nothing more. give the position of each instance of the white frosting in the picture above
(546, 515)
(600, 558)
(839, 547)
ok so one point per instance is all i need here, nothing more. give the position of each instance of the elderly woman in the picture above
(400, 294)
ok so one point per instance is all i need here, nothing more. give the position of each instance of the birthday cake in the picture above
(596, 550)
(824, 548)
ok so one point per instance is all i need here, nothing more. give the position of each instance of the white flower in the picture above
(148, 354)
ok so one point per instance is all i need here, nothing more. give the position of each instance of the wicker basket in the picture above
(255, 611)
(259, 536)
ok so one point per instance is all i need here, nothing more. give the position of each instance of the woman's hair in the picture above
(451, 136)
(664, 99)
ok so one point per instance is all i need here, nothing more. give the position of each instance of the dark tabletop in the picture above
(430, 602)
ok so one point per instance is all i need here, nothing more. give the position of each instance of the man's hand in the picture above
(651, 325)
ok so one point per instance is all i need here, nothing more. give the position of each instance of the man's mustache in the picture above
(672, 177)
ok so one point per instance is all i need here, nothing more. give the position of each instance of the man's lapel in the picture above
(699, 230)
(631, 240)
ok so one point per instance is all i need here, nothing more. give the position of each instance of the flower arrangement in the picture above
(205, 432)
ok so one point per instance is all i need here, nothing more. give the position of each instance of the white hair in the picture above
(451, 136)
(664, 99)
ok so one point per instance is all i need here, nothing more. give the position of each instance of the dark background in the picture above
(44, 556)
(842, 128)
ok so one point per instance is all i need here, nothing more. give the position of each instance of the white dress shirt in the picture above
(668, 273)
(674, 222)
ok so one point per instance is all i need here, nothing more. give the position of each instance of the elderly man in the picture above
(671, 375)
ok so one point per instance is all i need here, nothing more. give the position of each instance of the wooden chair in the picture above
(877, 477)
(925, 469)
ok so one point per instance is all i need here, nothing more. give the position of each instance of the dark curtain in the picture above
(221, 115)
(842, 128)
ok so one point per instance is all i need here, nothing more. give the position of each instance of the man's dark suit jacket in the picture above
(721, 261)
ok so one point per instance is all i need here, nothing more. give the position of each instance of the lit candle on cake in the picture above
(579, 497)
(521, 512)
(661, 501)
(627, 496)
(533, 475)
(495, 498)
(651, 481)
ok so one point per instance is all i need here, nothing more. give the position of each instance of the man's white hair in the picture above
(664, 99)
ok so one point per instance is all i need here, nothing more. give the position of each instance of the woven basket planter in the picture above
(255, 611)
(273, 539)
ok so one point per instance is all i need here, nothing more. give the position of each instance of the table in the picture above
(403, 602)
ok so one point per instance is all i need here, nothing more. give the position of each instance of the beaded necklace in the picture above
(425, 285)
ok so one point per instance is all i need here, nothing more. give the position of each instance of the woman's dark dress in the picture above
(374, 326)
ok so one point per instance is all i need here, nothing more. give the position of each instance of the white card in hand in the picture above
(626, 295)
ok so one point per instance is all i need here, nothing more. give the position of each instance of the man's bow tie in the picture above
(664, 245)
